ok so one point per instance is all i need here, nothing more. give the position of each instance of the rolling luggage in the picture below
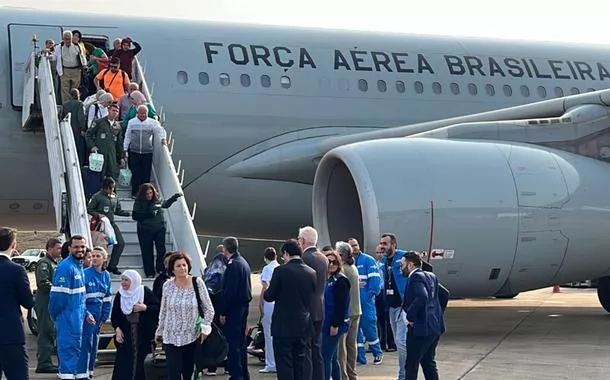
(155, 366)
(92, 181)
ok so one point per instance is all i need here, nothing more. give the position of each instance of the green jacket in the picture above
(45, 269)
(107, 205)
(149, 214)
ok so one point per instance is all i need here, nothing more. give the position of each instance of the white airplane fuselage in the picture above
(229, 91)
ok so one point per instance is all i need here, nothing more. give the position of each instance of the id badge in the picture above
(389, 292)
(102, 135)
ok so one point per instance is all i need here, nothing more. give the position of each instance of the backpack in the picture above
(213, 274)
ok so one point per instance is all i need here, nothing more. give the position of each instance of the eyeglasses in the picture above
(332, 262)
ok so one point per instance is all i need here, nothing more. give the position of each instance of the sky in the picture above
(580, 21)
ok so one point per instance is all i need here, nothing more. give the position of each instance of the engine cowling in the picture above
(502, 217)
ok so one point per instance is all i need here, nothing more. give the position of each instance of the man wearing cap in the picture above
(105, 137)
(126, 54)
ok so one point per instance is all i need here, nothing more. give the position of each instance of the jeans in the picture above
(399, 329)
(330, 346)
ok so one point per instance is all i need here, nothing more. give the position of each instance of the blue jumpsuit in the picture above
(67, 309)
(368, 273)
(99, 302)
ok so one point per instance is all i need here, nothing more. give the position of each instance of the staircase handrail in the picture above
(57, 165)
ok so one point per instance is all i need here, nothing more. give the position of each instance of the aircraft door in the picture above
(21, 47)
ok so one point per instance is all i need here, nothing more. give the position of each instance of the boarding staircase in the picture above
(39, 101)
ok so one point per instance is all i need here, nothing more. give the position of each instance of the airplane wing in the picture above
(561, 122)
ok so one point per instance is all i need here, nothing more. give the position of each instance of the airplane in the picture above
(491, 155)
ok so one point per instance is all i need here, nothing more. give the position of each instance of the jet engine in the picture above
(497, 218)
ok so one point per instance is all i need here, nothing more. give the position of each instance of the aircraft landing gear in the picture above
(603, 292)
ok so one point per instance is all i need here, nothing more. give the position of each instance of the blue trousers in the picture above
(68, 352)
(330, 346)
(88, 350)
(367, 332)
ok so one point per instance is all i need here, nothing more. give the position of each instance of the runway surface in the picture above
(537, 335)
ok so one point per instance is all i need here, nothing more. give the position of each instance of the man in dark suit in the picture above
(308, 238)
(15, 293)
(424, 314)
(292, 288)
(233, 309)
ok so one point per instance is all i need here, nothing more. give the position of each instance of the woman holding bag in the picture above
(181, 324)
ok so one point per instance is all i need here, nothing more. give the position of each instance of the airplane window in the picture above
(344, 84)
(558, 92)
(436, 88)
(455, 88)
(508, 90)
(285, 81)
(363, 85)
(225, 80)
(419, 87)
(182, 77)
(472, 89)
(490, 89)
(204, 78)
(525, 91)
(574, 91)
(245, 80)
(265, 81)
(400, 86)
(381, 86)
(541, 91)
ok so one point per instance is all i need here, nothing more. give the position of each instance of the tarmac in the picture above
(537, 335)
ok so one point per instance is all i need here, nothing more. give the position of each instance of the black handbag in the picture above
(214, 349)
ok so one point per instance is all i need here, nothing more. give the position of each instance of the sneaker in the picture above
(391, 349)
(378, 360)
(267, 370)
(210, 373)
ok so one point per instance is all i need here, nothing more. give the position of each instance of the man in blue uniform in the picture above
(395, 283)
(233, 308)
(98, 303)
(370, 286)
(67, 307)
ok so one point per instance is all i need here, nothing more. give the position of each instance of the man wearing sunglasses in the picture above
(113, 79)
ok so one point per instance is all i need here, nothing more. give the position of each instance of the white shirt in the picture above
(267, 273)
(7, 254)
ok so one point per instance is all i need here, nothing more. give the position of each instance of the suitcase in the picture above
(155, 366)
(92, 181)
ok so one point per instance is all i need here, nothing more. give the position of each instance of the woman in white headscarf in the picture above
(134, 317)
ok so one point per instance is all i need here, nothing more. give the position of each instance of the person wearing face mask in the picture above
(98, 302)
(134, 318)
(148, 212)
(67, 307)
(266, 308)
(142, 134)
(423, 315)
